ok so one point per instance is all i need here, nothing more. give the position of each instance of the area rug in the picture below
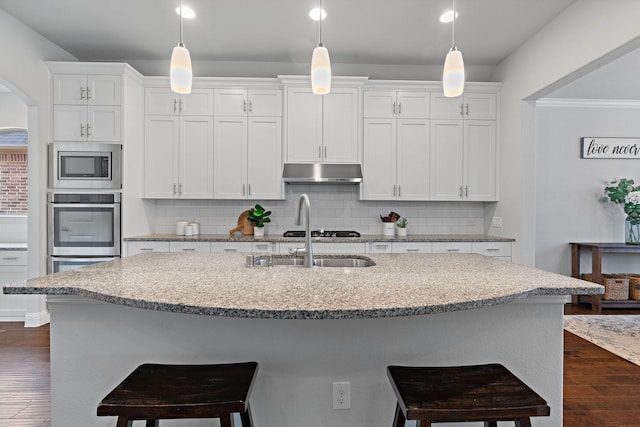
(619, 334)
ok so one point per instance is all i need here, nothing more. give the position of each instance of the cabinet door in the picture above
(69, 89)
(480, 106)
(443, 107)
(304, 126)
(265, 103)
(479, 160)
(340, 126)
(230, 102)
(412, 161)
(161, 156)
(229, 158)
(103, 124)
(379, 163)
(413, 105)
(379, 104)
(196, 157)
(160, 101)
(264, 158)
(446, 160)
(198, 103)
(103, 90)
(69, 123)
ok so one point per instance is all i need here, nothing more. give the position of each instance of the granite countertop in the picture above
(364, 238)
(221, 285)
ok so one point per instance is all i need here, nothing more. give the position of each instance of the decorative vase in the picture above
(402, 232)
(631, 232)
(389, 229)
(258, 232)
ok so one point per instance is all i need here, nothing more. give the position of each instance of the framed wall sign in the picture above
(610, 148)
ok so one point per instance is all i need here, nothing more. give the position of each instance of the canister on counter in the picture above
(180, 226)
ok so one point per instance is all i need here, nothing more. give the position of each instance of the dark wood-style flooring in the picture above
(600, 388)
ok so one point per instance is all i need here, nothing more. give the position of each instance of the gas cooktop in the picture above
(322, 233)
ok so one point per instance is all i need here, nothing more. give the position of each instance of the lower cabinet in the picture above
(13, 268)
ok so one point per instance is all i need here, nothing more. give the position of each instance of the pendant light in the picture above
(320, 65)
(180, 72)
(453, 75)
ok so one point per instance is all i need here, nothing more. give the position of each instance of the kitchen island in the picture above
(307, 328)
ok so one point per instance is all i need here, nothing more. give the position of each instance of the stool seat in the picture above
(488, 393)
(154, 391)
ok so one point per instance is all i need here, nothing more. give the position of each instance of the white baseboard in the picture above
(33, 320)
(12, 315)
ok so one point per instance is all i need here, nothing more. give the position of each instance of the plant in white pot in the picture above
(258, 216)
(402, 227)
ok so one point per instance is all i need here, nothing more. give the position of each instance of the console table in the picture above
(597, 249)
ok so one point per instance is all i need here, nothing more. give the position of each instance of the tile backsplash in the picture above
(333, 207)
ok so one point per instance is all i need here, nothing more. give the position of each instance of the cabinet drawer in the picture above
(501, 249)
(231, 247)
(379, 248)
(411, 247)
(262, 247)
(13, 258)
(134, 248)
(451, 247)
(190, 247)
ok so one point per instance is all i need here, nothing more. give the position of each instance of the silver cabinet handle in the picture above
(393, 109)
(399, 108)
(325, 152)
(249, 190)
(146, 249)
(244, 189)
(250, 106)
(460, 191)
(10, 258)
(399, 191)
(492, 249)
(244, 106)
(466, 191)
(82, 93)
(394, 191)
(88, 129)
(175, 105)
(89, 93)
(453, 250)
(413, 250)
(81, 129)
(174, 188)
(320, 152)
(189, 249)
(180, 188)
(461, 110)
(467, 110)
(262, 246)
(230, 250)
(180, 105)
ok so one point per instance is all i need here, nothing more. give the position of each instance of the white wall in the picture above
(584, 36)
(13, 111)
(571, 206)
(27, 76)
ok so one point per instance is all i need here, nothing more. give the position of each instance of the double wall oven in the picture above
(83, 205)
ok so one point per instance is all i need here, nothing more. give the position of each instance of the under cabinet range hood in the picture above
(322, 173)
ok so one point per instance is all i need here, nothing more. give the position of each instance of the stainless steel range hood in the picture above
(320, 173)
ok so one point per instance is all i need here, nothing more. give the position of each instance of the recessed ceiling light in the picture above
(187, 12)
(315, 14)
(447, 17)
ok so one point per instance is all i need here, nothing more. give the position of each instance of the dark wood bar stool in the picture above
(153, 392)
(488, 393)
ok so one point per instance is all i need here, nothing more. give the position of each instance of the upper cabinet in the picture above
(247, 102)
(396, 104)
(163, 101)
(469, 106)
(323, 128)
(86, 107)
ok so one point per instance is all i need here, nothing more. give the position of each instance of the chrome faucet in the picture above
(308, 250)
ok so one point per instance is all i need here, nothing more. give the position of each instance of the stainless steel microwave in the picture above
(85, 165)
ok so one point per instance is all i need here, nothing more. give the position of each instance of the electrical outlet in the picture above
(341, 395)
(496, 221)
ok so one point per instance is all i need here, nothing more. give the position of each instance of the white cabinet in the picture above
(243, 247)
(396, 159)
(86, 107)
(179, 157)
(326, 247)
(139, 247)
(248, 144)
(463, 160)
(396, 104)
(163, 101)
(469, 106)
(13, 268)
(247, 102)
(322, 128)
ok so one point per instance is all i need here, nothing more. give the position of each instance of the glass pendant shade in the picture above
(180, 72)
(453, 75)
(320, 71)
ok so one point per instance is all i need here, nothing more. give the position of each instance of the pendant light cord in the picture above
(453, 26)
(319, 26)
(181, 38)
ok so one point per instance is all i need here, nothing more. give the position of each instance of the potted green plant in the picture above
(402, 227)
(258, 216)
(627, 194)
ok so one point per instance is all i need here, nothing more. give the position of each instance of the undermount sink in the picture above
(344, 261)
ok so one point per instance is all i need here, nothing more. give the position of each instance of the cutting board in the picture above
(244, 226)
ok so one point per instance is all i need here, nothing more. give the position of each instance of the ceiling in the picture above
(388, 32)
